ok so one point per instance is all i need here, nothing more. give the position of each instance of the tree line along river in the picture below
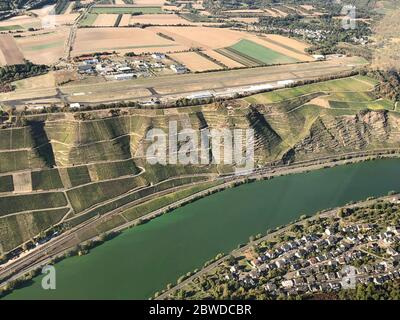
(144, 259)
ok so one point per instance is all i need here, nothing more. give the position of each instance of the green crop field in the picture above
(126, 10)
(6, 184)
(89, 19)
(236, 56)
(13, 204)
(48, 45)
(355, 96)
(259, 53)
(46, 180)
(12, 27)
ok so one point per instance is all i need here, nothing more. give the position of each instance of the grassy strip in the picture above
(158, 203)
(45, 46)
(12, 27)
(88, 195)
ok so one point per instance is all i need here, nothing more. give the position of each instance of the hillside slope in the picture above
(60, 168)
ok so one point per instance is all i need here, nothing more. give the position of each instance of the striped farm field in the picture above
(258, 53)
(240, 59)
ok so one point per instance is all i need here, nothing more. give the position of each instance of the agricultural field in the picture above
(11, 27)
(19, 23)
(149, 3)
(252, 54)
(240, 47)
(194, 61)
(105, 20)
(125, 10)
(123, 40)
(9, 51)
(223, 59)
(159, 19)
(45, 48)
(125, 21)
(88, 20)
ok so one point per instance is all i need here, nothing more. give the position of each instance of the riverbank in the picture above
(169, 292)
(225, 182)
(144, 259)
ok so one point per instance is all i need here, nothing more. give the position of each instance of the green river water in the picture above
(144, 259)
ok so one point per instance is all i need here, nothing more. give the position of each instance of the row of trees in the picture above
(28, 69)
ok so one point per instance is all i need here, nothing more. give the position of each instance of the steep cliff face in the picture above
(365, 130)
(307, 132)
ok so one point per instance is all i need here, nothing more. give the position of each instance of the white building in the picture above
(158, 56)
(319, 57)
(178, 69)
(124, 76)
(75, 106)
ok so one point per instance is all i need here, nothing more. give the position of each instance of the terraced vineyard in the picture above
(57, 169)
